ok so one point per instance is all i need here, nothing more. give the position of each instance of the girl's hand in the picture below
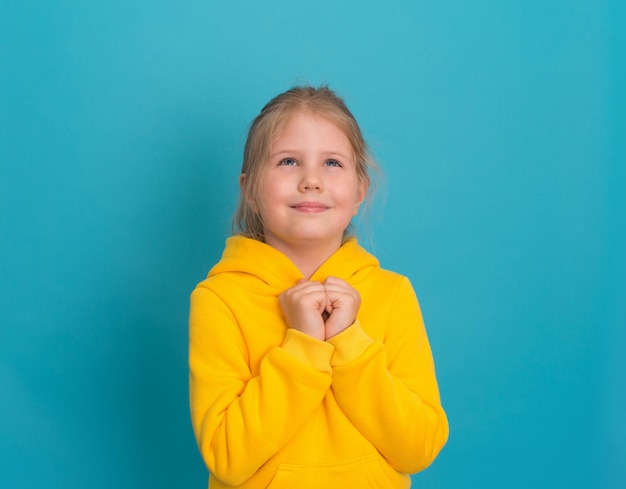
(343, 303)
(303, 306)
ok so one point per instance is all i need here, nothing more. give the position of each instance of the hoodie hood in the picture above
(258, 266)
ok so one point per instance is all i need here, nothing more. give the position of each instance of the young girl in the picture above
(309, 364)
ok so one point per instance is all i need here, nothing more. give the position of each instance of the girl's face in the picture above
(310, 189)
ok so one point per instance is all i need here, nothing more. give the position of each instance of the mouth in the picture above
(310, 207)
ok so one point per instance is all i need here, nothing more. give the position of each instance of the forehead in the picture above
(304, 126)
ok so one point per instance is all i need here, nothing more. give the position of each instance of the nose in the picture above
(310, 181)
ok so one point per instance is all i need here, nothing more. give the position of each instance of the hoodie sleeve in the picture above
(240, 421)
(388, 389)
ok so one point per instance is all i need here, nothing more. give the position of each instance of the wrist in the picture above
(313, 332)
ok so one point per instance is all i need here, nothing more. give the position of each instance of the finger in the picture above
(311, 292)
(303, 287)
(334, 283)
(302, 284)
(335, 292)
(335, 280)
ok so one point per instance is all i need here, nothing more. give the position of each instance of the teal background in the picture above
(500, 128)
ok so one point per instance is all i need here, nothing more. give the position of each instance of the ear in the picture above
(245, 192)
(360, 196)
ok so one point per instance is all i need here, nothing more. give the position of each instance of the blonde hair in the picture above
(264, 130)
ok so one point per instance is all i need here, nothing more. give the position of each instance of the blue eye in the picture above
(288, 162)
(332, 163)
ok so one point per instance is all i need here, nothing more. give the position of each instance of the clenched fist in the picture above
(321, 310)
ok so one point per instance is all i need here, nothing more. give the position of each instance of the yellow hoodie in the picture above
(273, 407)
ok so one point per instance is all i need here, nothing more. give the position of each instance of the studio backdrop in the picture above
(499, 127)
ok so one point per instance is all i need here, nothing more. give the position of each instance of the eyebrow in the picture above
(327, 154)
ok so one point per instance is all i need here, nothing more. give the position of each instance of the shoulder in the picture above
(215, 287)
(390, 282)
(206, 292)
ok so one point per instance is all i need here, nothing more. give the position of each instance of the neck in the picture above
(308, 257)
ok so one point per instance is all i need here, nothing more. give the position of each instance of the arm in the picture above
(389, 390)
(240, 421)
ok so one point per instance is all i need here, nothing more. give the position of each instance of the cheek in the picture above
(277, 188)
(270, 197)
(359, 195)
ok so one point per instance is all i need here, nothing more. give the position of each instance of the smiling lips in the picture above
(310, 207)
